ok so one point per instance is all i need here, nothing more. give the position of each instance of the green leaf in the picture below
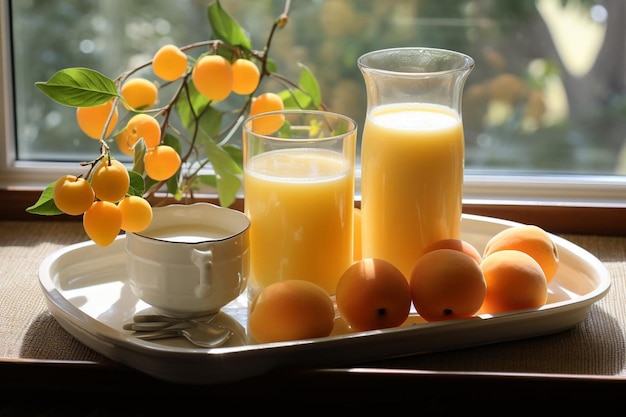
(271, 66)
(138, 165)
(137, 184)
(79, 87)
(226, 28)
(296, 99)
(307, 96)
(309, 84)
(45, 204)
(227, 171)
(193, 105)
(208, 179)
(236, 154)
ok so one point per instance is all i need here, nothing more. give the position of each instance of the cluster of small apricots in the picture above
(210, 92)
(102, 198)
(451, 279)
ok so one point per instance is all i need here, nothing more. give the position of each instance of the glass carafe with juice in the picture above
(412, 154)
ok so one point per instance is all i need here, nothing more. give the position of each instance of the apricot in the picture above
(373, 294)
(530, 239)
(246, 76)
(73, 195)
(110, 180)
(93, 120)
(136, 213)
(514, 281)
(161, 162)
(139, 93)
(264, 103)
(169, 62)
(142, 127)
(457, 244)
(212, 75)
(102, 222)
(447, 284)
(291, 310)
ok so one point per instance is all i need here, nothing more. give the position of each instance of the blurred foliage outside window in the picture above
(547, 94)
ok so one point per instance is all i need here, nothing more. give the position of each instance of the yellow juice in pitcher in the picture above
(412, 181)
(300, 204)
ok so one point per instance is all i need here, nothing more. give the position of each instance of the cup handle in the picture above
(204, 261)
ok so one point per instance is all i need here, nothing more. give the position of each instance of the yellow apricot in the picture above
(291, 310)
(530, 239)
(268, 124)
(136, 213)
(92, 120)
(139, 93)
(102, 222)
(73, 195)
(142, 126)
(212, 76)
(161, 162)
(447, 284)
(514, 281)
(110, 180)
(246, 76)
(169, 63)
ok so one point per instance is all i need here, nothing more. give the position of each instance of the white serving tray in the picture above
(87, 291)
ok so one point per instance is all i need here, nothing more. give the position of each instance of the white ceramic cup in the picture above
(191, 261)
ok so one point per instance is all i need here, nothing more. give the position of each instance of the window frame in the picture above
(590, 204)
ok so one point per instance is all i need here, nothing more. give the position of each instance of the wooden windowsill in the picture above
(588, 220)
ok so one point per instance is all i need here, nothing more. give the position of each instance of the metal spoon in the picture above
(152, 322)
(202, 334)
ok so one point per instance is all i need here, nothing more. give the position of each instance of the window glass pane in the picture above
(546, 95)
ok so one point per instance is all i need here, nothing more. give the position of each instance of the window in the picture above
(544, 109)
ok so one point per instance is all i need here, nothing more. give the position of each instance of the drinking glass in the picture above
(412, 154)
(299, 196)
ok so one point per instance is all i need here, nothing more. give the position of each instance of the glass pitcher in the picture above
(412, 154)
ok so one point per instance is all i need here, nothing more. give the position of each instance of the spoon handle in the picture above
(150, 326)
(159, 334)
(148, 318)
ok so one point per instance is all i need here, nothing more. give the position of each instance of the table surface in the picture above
(36, 353)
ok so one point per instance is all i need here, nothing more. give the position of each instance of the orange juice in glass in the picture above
(412, 153)
(299, 197)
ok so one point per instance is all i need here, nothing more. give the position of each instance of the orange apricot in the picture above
(447, 284)
(142, 127)
(530, 239)
(136, 213)
(122, 143)
(457, 244)
(514, 281)
(373, 294)
(110, 180)
(139, 93)
(102, 222)
(92, 120)
(212, 75)
(73, 195)
(267, 102)
(291, 310)
(161, 162)
(169, 63)
(246, 76)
